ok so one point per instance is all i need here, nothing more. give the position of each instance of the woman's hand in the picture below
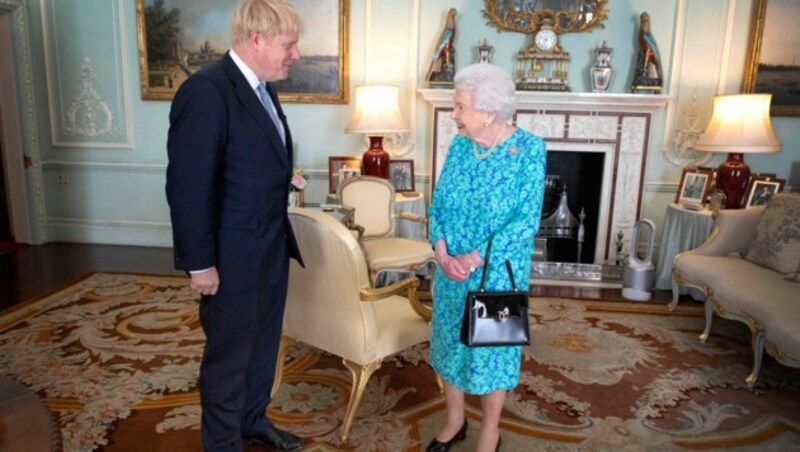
(471, 261)
(453, 268)
(459, 267)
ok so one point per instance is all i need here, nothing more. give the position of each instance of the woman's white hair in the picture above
(491, 88)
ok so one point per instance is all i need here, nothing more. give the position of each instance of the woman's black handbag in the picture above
(493, 319)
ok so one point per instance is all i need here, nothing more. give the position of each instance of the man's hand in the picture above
(205, 283)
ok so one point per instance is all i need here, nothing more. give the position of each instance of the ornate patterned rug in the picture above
(116, 358)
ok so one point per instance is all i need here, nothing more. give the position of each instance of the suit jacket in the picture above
(228, 180)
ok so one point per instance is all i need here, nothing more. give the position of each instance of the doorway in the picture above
(5, 217)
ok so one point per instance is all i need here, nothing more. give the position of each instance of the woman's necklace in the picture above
(480, 156)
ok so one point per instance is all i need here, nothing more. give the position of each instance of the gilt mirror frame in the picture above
(503, 15)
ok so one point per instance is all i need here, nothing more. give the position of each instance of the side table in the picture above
(683, 230)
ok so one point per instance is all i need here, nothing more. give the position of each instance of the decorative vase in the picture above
(295, 198)
(601, 72)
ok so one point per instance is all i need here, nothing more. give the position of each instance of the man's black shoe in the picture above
(275, 438)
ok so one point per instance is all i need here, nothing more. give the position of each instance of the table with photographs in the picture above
(683, 230)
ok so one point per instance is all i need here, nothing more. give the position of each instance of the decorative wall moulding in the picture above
(87, 93)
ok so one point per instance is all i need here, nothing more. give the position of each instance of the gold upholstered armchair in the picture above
(332, 306)
(368, 203)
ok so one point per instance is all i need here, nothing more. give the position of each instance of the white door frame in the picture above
(18, 127)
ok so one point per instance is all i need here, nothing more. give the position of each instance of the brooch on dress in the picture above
(513, 150)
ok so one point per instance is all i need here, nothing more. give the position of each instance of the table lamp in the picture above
(739, 124)
(377, 113)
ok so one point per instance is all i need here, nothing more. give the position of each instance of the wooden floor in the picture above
(36, 271)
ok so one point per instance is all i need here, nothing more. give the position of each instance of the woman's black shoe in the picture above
(438, 446)
(499, 439)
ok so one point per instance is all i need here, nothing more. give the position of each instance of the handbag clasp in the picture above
(502, 315)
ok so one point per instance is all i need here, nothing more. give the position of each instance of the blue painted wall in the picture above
(108, 188)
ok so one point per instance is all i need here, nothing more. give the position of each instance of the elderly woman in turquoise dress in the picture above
(491, 187)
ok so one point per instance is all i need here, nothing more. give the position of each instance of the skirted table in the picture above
(683, 230)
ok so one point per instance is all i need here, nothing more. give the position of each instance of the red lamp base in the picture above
(375, 161)
(732, 176)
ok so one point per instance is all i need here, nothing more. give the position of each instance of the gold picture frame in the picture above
(761, 189)
(341, 168)
(315, 79)
(569, 18)
(782, 80)
(693, 188)
(401, 175)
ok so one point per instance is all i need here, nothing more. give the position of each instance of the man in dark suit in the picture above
(230, 163)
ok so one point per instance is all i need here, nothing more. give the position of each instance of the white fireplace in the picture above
(616, 125)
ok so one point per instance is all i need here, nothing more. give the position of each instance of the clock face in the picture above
(545, 39)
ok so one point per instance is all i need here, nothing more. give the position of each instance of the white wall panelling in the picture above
(88, 94)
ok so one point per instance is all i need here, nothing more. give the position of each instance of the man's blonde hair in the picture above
(268, 17)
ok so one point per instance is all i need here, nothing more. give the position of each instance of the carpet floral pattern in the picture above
(116, 357)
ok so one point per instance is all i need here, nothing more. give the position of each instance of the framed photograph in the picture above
(694, 186)
(401, 175)
(761, 190)
(771, 65)
(178, 37)
(341, 168)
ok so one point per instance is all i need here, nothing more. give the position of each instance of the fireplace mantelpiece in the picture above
(617, 125)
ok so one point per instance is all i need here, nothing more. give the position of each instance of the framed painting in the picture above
(401, 175)
(178, 37)
(761, 190)
(693, 188)
(341, 168)
(772, 67)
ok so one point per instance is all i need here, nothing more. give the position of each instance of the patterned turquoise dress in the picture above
(473, 199)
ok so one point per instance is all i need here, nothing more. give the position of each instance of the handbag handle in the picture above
(486, 266)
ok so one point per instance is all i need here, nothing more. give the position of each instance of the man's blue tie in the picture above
(267, 102)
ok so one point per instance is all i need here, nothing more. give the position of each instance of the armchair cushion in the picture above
(776, 243)
(396, 253)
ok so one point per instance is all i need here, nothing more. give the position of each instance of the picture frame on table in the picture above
(401, 175)
(178, 37)
(761, 189)
(693, 187)
(341, 168)
(770, 68)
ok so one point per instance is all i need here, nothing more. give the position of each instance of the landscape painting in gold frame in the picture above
(772, 66)
(178, 37)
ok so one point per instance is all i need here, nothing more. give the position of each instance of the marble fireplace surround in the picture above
(617, 125)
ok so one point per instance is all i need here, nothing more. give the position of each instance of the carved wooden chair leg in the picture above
(361, 375)
(286, 342)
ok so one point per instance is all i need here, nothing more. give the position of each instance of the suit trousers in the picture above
(243, 331)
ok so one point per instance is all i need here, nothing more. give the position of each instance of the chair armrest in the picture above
(732, 232)
(411, 217)
(423, 221)
(408, 285)
(348, 220)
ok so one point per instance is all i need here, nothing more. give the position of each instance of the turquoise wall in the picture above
(108, 187)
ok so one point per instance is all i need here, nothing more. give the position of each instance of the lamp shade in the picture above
(377, 110)
(376, 113)
(740, 123)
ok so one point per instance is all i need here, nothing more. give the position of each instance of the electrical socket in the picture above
(62, 180)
